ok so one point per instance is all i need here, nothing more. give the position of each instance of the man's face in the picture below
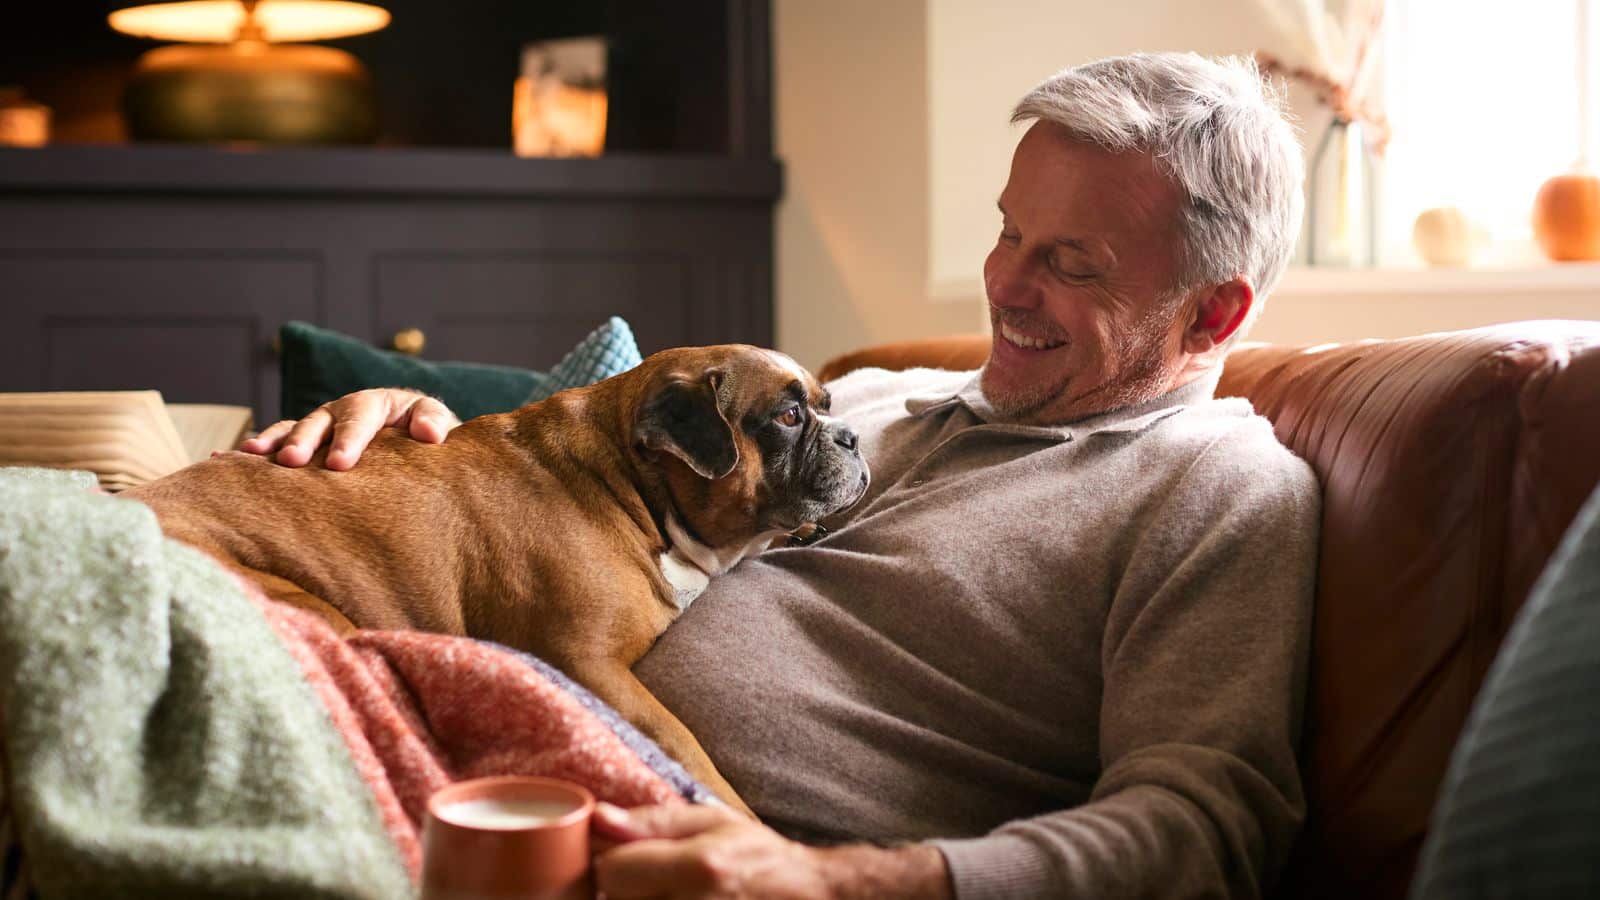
(1080, 282)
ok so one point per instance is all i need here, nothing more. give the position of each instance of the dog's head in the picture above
(744, 441)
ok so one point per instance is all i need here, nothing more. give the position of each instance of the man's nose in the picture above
(1008, 281)
(845, 436)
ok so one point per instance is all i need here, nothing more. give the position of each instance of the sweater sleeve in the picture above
(1204, 660)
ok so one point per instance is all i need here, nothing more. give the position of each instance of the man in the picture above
(1059, 648)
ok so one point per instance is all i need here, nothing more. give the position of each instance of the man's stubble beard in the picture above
(1141, 373)
(1020, 404)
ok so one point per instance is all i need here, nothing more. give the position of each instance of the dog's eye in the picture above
(790, 417)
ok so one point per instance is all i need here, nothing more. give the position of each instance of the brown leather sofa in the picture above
(1450, 464)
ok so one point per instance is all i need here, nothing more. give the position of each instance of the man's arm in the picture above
(702, 851)
(352, 421)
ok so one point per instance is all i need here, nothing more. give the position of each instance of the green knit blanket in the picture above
(158, 739)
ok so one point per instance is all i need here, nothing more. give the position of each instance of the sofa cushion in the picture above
(959, 353)
(318, 365)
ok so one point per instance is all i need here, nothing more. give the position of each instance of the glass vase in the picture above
(1342, 199)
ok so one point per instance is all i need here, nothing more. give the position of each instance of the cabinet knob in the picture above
(409, 341)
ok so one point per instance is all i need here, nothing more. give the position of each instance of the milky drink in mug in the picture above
(510, 837)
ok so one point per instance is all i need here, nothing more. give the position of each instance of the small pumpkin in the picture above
(1444, 236)
(1566, 216)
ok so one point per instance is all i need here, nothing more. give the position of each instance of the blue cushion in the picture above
(318, 365)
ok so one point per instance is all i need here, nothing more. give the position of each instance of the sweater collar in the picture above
(1126, 418)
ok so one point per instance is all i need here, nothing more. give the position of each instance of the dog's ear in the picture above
(683, 419)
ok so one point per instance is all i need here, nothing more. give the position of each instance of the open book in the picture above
(124, 437)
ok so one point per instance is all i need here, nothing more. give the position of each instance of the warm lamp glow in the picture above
(218, 21)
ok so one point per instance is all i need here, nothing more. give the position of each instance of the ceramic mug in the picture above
(508, 837)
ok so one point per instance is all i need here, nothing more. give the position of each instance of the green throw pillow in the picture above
(318, 365)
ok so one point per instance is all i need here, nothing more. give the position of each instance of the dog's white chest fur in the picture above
(689, 565)
(686, 578)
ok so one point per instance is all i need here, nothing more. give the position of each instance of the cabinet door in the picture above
(529, 309)
(196, 326)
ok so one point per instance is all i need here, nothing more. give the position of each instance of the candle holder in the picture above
(559, 103)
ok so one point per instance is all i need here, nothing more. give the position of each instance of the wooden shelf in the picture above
(101, 169)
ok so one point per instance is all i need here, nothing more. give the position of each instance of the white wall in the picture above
(851, 92)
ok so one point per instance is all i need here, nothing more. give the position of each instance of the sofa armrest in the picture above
(958, 352)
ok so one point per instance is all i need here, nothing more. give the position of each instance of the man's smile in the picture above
(1024, 341)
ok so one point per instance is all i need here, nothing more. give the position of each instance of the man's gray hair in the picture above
(1220, 132)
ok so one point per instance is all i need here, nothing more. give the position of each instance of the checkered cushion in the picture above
(607, 351)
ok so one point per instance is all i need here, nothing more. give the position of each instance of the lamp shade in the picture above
(219, 21)
(261, 85)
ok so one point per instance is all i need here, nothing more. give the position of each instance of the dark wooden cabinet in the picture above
(193, 324)
(172, 267)
(138, 266)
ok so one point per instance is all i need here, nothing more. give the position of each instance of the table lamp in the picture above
(238, 80)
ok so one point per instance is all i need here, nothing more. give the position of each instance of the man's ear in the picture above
(1218, 315)
(683, 419)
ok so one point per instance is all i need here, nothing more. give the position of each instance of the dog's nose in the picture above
(845, 436)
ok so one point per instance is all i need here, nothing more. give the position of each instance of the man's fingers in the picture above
(355, 424)
(677, 821)
(352, 421)
(696, 851)
(430, 420)
(304, 438)
(651, 869)
(268, 439)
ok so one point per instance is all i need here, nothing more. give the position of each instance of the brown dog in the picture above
(576, 528)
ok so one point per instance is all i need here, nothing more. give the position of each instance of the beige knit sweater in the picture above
(1075, 656)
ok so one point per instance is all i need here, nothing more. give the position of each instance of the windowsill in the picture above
(1546, 277)
(1313, 306)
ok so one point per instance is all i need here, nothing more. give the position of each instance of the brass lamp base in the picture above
(251, 91)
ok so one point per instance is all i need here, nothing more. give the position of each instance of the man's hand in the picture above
(353, 420)
(705, 851)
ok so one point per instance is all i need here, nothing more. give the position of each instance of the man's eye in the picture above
(1009, 237)
(1063, 272)
(790, 417)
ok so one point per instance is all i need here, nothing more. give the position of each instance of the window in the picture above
(1485, 100)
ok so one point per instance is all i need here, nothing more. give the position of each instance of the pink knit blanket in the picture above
(419, 711)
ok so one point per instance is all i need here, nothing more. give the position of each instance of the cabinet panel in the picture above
(198, 328)
(172, 267)
(529, 309)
